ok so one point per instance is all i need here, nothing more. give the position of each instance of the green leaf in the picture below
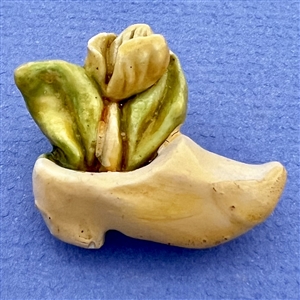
(150, 117)
(65, 104)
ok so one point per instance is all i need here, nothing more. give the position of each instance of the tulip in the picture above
(127, 64)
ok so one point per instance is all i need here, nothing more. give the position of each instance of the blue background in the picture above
(241, 60)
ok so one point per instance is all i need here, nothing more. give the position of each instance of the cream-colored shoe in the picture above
(186, 197)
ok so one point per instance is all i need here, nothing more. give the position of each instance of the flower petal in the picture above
(139, 64)
(96, 60)
(131, 32)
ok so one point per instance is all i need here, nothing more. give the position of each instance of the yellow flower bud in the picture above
(128, 64)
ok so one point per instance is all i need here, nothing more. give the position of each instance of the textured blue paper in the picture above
(241, 60)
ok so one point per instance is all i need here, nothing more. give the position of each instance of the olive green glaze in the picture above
(150, 117)
(67, 107)
(73, 107)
